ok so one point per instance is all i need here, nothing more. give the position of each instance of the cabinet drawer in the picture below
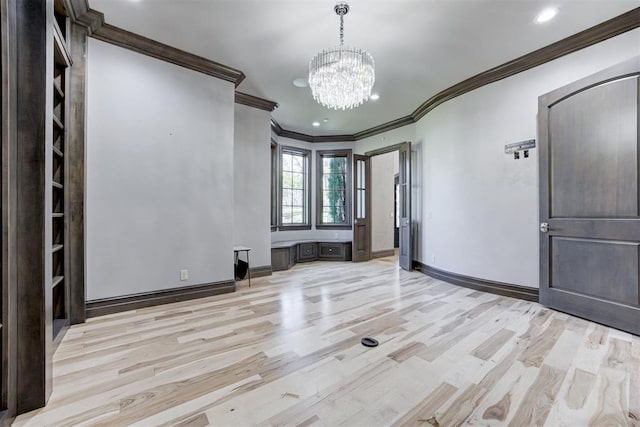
(307, 252)
(331, 250)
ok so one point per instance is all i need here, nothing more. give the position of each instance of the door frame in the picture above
(359, 223)
(405, 145)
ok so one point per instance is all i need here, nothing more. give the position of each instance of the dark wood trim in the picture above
(498, 288)
(275, 187)
(285, 133)
(75, 171)
(346, 153)
(263, 270)
(385, 150)
(382, 254)
(255, 102)
(101, 307)
(91, 19)
(9, 144)
(143, 45)
(613, 27)
(385, 127)
(309, 171)
(76, 8)
(34, 300)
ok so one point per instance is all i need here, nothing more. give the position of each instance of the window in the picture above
(274, 185)
(333, 198)
(295, 186)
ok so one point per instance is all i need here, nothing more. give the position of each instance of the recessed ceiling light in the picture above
(325, 120)
(374, 96)
(301, 82)
(546, 15)
(316, 124)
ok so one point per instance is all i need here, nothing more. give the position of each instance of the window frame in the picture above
(307, 198)
(275, 181)
(320, 155)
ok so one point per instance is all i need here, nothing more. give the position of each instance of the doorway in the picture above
(363, 212)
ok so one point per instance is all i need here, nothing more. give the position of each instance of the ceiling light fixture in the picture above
(546, 15)
(341, 77)
(316, 124)
(375, 96)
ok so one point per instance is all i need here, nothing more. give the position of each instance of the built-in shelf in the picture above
(61, 52)
(57, 122)
(56, 281)
(59, 248)
(58, 324)
(58, 89)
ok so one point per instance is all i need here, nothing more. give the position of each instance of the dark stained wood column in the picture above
(9, 213)
(34, 328)
(75, 156)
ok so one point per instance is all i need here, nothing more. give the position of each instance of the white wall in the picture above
(383, 170)
(252, 183)
(159, 174)
(279, 236)
(480, 206)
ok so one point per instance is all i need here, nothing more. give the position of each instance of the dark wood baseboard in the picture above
(101, 307)
(499, 288)
(261, 271)
(382, 254)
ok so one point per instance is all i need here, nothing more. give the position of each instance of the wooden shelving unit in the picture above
(62, 62)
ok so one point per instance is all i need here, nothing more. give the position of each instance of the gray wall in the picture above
(475, 209)
(159, 174)
(252, 183)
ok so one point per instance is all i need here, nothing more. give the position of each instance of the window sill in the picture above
(333, 227)
(293, 227)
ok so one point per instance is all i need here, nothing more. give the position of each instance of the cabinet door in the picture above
(307, 252)
(331, 250)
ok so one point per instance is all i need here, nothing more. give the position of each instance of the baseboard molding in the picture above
(101, 307)
(382, 254)
(499, 288)
(261, 271)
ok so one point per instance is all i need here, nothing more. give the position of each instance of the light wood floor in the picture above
(287, 352)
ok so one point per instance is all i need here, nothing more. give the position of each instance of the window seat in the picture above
(286, 254)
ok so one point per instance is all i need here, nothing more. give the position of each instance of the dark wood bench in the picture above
(286, 254)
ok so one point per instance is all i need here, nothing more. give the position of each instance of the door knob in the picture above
(544, 227)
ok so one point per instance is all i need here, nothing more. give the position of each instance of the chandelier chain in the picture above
(341, 30)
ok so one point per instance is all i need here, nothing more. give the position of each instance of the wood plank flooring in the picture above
(287, 352)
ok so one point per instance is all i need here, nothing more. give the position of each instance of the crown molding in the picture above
(80, 12)
(613, 27)
(285, 133)
(385, 127)
(593, 35)
(255, 102)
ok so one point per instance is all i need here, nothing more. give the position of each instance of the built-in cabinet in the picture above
(285, 255)
(59, 248)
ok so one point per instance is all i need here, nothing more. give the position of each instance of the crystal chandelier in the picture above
(341, 77)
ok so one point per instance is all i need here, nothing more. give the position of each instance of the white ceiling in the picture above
(420, 47)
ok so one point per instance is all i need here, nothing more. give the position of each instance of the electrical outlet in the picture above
(433, 258)
(184, 274)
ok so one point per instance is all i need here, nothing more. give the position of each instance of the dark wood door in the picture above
(361, 208)
(405, 256)
(589, 204)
